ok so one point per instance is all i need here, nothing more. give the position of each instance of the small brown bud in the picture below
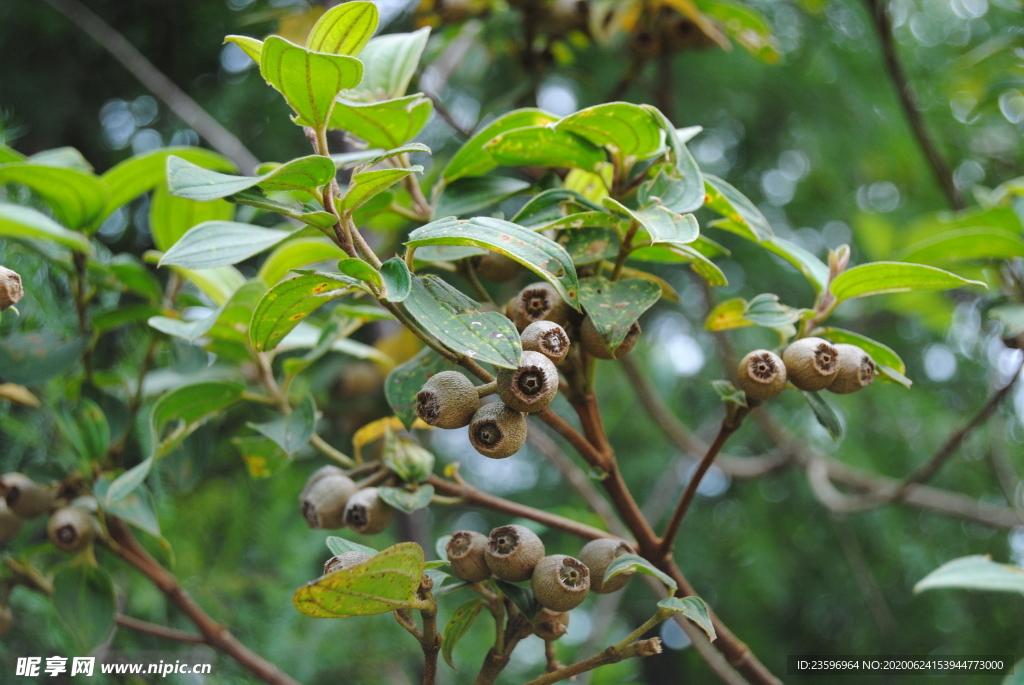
(548, 338)
(467, 555)
(531, 387)
(25, 497)
(497, 431)
(10, 523)
(324, 498)
(593, 343)
(550, 625)
(811, 363)
(560, 582)
(71, 528)
(856, 370)
(344, 560)
(598, 555)
(367, 513)
(539, 302)
(447, 400)
(513, 551)
(496, 267)
(762, 375)
(10, 288)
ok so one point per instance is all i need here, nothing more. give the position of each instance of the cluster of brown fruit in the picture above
(809, 364)
(547, 327)
(332, 500)
(71, 527)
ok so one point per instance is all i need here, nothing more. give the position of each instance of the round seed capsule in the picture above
(598, 555)
(367, 513)
(761, 374)
(10, 523)
(560, 582)
(447, 400)
(856, 370)
(512, 552)
(25, 497)
(593, 343)
(467, 554)
(550, 625)
(71, 528)
(548, 338)
(324, 498)
(811, 363)
(539, 302)
(531, 387)
(497, 431)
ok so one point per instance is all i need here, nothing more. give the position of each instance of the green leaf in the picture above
(746, 26)
(9, 154)
(83, 595)
(386, 582)
(385, 124)
(694, 609)
(297, 254)
(472, 194)
(307, 214)
(344, 29)
(458, 625)
(976, 572)
(690, 196)
(813, 269)
(553, 205)
(188, 408)
(732, 204)
(546, 147)
(381, 155)
(25, 223)
(407, 501)
(187, 180)
(391, 61)
(234, 316)
(137, 508)
(766, 310)
(727, 315)
(76, 198)
(124, 315)
(341, 545)
(661, 224)
(626, 129)
(824, 414)
(64, 157)
(613, 306)
(729, 394)
(630, 563)
(262, 456)
(86, 429)
(459, 324)
(887, 361)
(473, 160)
(33, 358)
(219, 282)
(308, 80)
(683, 254)
(965, 245)
(288, 302)
(253, 47)
(407, 379)
(170, 217)
(877, 278)
(358, 269)
(590, 244)
(669, 189)
(220, 243)
(397, 279)
(291, 432)
(146, 171)
(521, 596)
(367, 184)
(536, 252)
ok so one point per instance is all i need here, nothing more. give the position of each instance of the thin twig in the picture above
(175, 98)
(880, 16)
(329, 451)
(158, 630)
(641, 648)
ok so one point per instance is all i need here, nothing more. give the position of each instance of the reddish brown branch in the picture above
(158, 630)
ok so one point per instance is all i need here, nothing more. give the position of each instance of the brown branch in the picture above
(158, 630)
(690, 492)
(927, 470)
(123, 544)
(640, 648)
(175, 98)
(879, 14)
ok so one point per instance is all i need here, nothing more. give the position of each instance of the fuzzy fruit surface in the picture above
(324, 498)
(367, 513)
(448, 400)
(513, 551)
(25, 497)
(497, 431)
(548, 338)
(560, 582)
(761, 375)
(71, 528)
(811, 363)
(856, 370)
(467, 555)
(531, 387)
(550, 625)
(539, 302)
(593, 342)
(598, 555)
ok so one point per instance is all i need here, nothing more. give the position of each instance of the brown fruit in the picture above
(531, 387)
(593, 343)
(71, 528)
(345, 560)
(560, 582)
(26, 497)
(598, 555)
(467, 555)
(512, 552)
(10, 288)
(550, 625)
(761, 374)
(497, 431)
(856, 370)
(447, 400)
(497, 267)
(548, 338)
(539, 302)
(324, 498)
(811, 363)
(10, 523)
(367, 513)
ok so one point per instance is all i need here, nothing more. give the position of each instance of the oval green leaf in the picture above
(77, 199)
(625, 128)
(613, 306)
(170, 217)
(407, 501)
(632, 563)
(546, 147)
(732, 204)
(25, 223)
(289, 302)
(187, 180)
(297, 254)
(473, 160)
(693, 608)
(385, 124)
(397, 279)
(458, 625)
(367, 184)
(344, 29)
(965, 245)
(83, 595)
(878, 278)
(220, 243)
(308, 80)
(976, 572)
(390, 63)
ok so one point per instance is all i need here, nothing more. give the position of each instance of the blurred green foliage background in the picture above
(813, 133)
